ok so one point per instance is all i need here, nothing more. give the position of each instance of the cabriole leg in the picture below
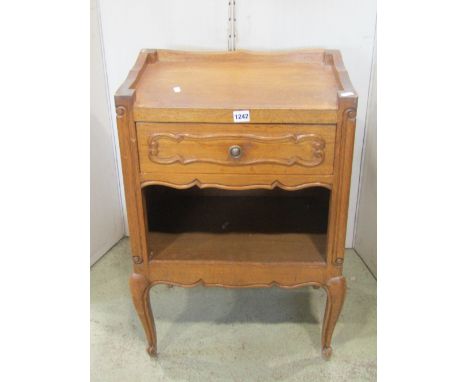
(336, 291)
(140, 288)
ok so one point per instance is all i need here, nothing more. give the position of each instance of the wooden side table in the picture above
(237, 169)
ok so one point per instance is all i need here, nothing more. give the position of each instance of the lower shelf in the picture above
(255, 238)
(239, 247)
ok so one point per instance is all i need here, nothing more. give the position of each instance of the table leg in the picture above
(336, 291)
(140, 288)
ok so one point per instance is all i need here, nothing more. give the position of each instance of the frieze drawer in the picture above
(202, 148)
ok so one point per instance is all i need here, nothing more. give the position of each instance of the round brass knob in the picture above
(235, 151)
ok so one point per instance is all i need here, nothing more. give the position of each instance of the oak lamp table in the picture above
(237, 170)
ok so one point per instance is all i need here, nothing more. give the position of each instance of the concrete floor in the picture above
(216, 334)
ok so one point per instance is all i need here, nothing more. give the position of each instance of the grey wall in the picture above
(106, 208)
(365, 241)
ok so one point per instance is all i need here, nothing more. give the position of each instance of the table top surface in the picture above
(236, 80)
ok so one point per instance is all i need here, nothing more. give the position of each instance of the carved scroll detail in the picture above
(266, 186)
(349, 115)
(339, 261)
(317, 147)
(252, 285)
(121, 111)
(137, 259)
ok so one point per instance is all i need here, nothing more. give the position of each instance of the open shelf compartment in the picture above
(245, 227)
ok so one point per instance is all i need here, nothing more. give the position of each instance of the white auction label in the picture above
(240, 116)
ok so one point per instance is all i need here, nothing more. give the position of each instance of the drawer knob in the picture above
(235, 151)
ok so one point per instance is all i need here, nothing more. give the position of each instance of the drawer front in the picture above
(246, 149)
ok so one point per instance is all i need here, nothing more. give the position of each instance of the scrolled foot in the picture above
(151, 351)
(327, 352)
